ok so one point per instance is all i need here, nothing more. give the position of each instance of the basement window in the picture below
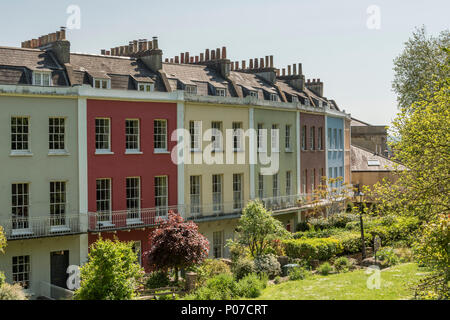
(42, 79)
(373, 163)
(101, 84)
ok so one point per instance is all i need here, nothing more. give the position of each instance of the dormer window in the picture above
(42, 79)
(220, 92)
(146, 87)
(306, 102)
(294, 98)
(253, 94)
(273, 97)
(102, 84)
(191, 89)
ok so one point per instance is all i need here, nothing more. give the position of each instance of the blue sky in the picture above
(330, 38)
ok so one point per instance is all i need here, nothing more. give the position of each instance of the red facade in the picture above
(118, 166)
(312, 158)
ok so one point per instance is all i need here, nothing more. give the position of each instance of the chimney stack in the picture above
(207, 55)
(182, 57)
(256, 63)
(155, 43)
(202, 57)
(218, 53)
(213, 55)
(243, 64)
(294, 66)
(289, 70)
(224, 52)
(251, 64)
(261, 63)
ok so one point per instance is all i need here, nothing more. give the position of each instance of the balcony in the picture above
(212, 211)
(43, 226)
(129, 219)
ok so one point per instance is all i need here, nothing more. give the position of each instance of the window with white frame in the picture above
(253, 94)
(307, 102)
(21, 271)
(146, 87)
(160, 135)
(103, 191)
(340, 139)
(192, 89)
(320, 138)
(312, 138)
(217, 192)
(313, 180)
(329, 138)
(335, 139)
(101, 83)
(102, 135)
(20, 131)
(261, 186)
(261, 141)
(294, 98)
(195, 130)
(237, 191)
(58, 203)
(273, 97)
(195, 194)
(216, 138)
(137, 249)
(20, 205)
(161, 195)
(237, 136)
(303, 137)
(275, 186)
(133, 197)
(42, 79)
(275, 138)
(218, 244)
(132, 135)
(221, 92)
(287, 141)
(56, 134)
(288, 183)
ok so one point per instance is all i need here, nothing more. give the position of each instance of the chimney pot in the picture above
(135, 46)
(150, 45)
(108, 52)
(218, 53)
(251, 64)
(271, 61)
(191, 59)
(177, 59)
(289, 70)
(197, 59)
(182, 57)
(318, 80)
(166, 60)
(213, 55)
(267, 62)
(155, 43)
(256, 63)
(236, 67)
(171, 60)
(207, 55)
(202, 57)
(261, 63)
(186, 57)
(294, 66)
(232, 66)
(243, 64)
(284, 72)
(103, 52)
(300, 71)
(62, 33)
(58, 35)
(224, 52)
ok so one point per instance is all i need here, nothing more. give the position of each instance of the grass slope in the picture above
(395, 285)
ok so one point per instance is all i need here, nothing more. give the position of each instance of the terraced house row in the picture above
(89, 147)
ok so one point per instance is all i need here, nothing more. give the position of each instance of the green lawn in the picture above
(395, 285)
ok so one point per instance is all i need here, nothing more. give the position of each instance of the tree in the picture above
(111, 273)
(415, 66)
(257, 228)
(176, 244)
(423, 190)
(2, 240)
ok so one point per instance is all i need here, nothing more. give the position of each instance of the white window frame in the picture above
(320, 138)
(133, 213)
(52, 135)
(288, 183)
(58, 203)
(261, 186)
(216, 136)
(103, 150)
(254, 93)
(275, 138)
(161, 199)
(238, 136)
(238, 198)
(20, 209)
(104, 217)
(136, 135)
(145, 87)
(217, 193)
(221, 92)
(275, 186)
(273, 97)
(312, 138)
(261, 142)
(195, 131)
(190, 89)
(164, 135)
(294, 98)
(21, 151)
(304, 138)
(218, 244)
(24, 273)
(40, 75)
(195, 194)
(287, 141)
(102, 83)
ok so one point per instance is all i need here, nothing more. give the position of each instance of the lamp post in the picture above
(359, 197)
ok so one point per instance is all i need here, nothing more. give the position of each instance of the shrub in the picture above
(243, 267)
(12, 292)
(268, 264)
(302, 226)
(351, 241)
(157, 279)
(388, 256)
(298, 273)
(325, 269)
(342, 264)
(2, 278)
(220, 287)
(275, 247)
(309, 249)
(250, 286)
(237, 250)
(319, 223)
(340, 220)
(404, 254)
(210, 268)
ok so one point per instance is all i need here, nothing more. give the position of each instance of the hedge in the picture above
(310, 249)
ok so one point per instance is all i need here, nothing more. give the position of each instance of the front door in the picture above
(59, 262)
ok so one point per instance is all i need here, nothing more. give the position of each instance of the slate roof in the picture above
(360, 161)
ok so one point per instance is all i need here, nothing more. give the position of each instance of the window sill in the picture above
(58, 153)
(133, 152)
(100, 152)
(161, 151)
(288, 150)
(196, 150)
(238, 150)
(21, 154)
